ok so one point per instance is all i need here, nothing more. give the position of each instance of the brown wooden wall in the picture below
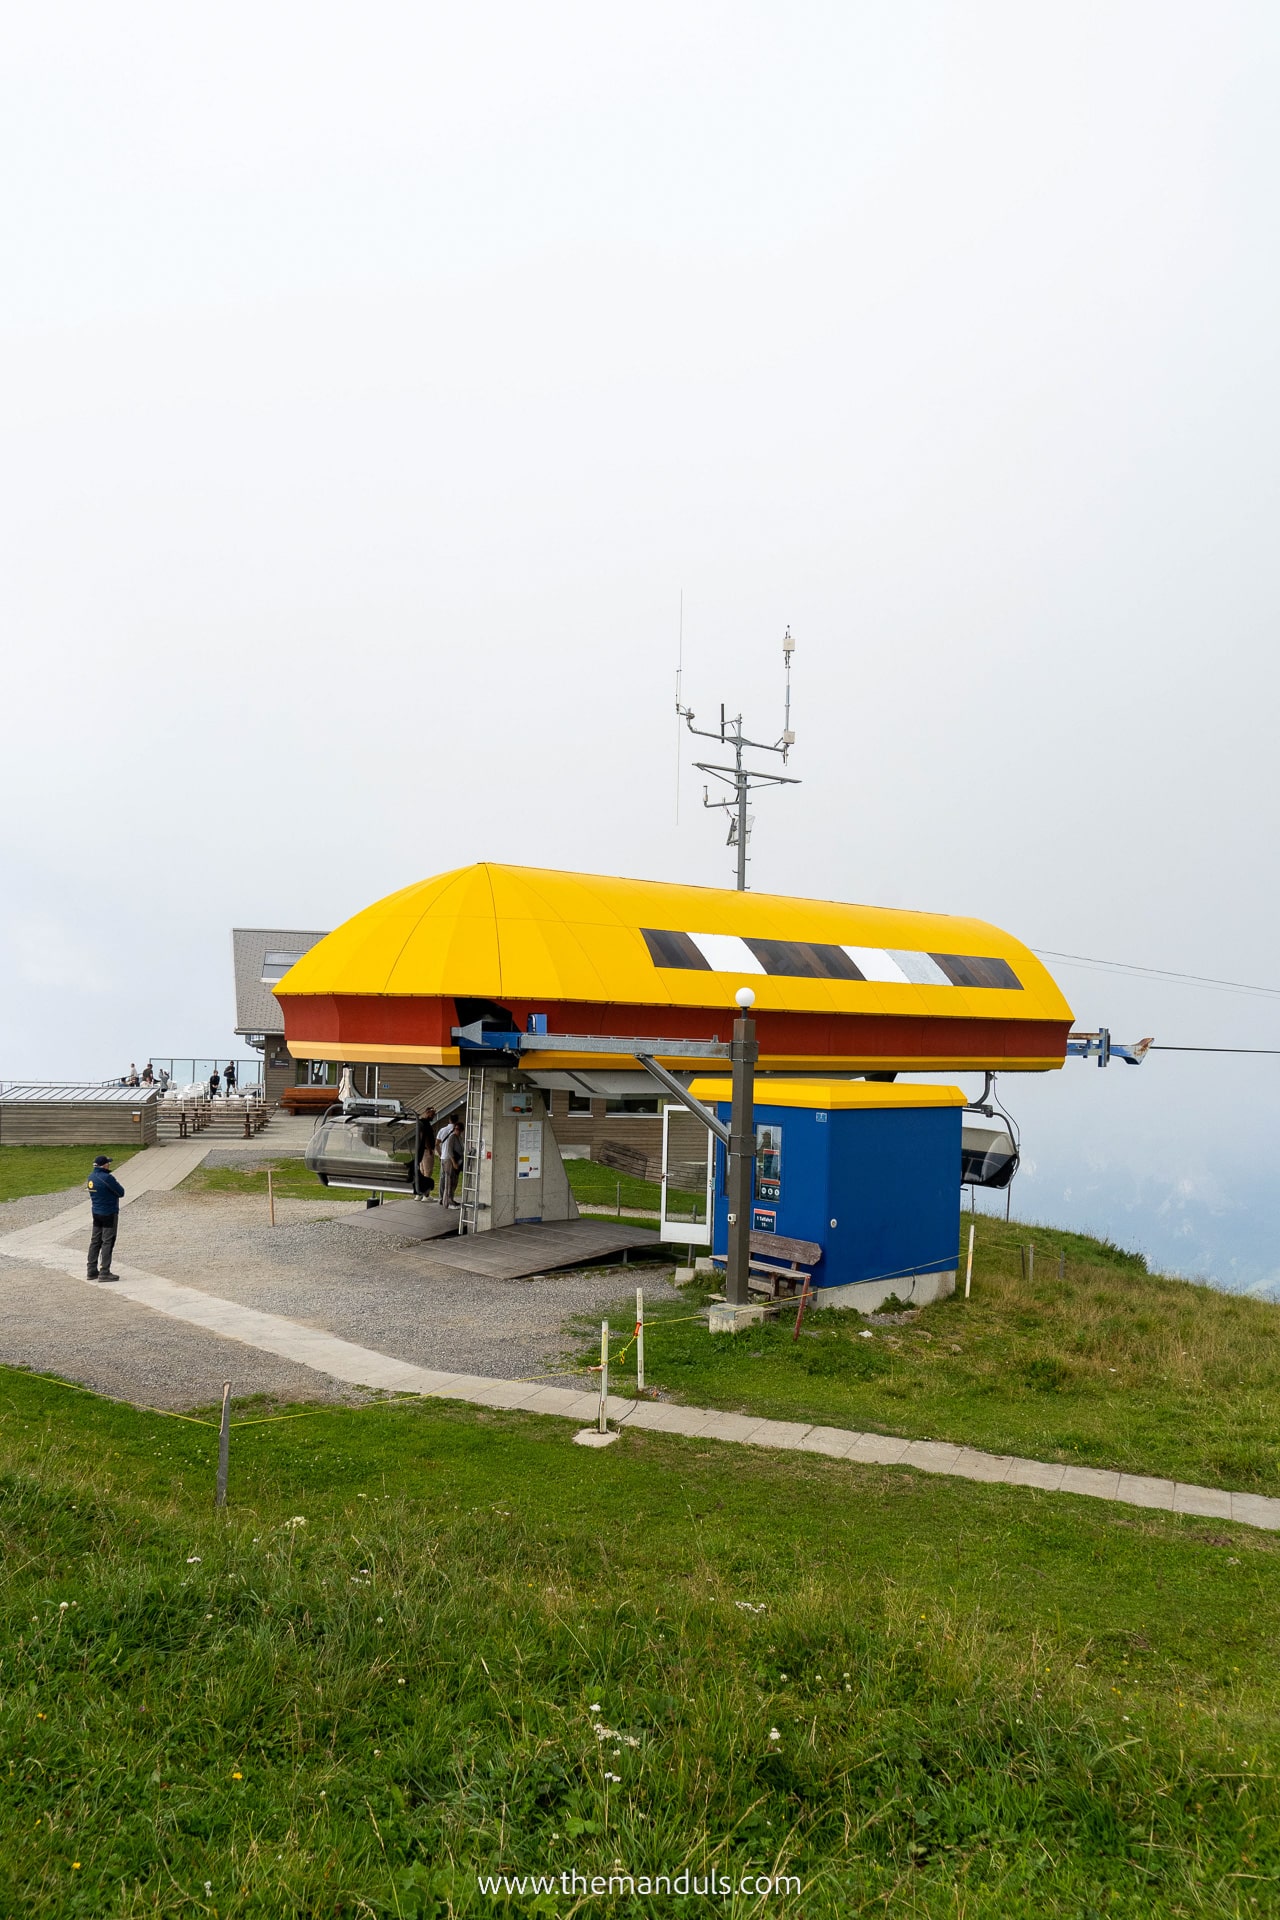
(62, 1123)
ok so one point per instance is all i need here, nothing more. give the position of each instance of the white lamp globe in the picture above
(745, 998)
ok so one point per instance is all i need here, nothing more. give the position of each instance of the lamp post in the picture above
(742, 1152)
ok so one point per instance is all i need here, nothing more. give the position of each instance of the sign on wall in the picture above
(529, 1150)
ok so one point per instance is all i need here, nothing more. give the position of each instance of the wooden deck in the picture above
(506, 1253)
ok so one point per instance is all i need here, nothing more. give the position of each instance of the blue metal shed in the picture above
(870, 1170)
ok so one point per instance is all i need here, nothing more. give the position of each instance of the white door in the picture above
(688, 1172)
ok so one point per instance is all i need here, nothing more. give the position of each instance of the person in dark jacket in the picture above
(105, 1195)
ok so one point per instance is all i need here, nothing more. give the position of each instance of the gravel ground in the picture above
(34, 1207)
(311, 1267)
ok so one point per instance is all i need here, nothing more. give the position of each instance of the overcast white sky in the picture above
(376, 378)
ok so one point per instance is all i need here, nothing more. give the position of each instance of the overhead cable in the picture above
(1159, 973)
(1161, 1046)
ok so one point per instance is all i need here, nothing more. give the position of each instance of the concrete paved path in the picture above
(347, 1361)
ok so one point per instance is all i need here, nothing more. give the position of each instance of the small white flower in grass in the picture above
(594, 1707)
(193, 1559)
(208, 1887)
(399, 1683)
(614, 1776)
(298, 1520)
(745, 1606)
(63, 1605)
(774, 1734)
(866, 1334)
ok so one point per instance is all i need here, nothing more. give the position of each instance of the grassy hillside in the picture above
(25, 1170)
(1107, 1366)
(427, 1641)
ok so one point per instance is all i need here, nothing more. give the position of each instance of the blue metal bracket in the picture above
(1101, 1047)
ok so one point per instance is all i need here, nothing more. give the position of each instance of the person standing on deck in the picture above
(449, 1147)
(214, 1078)
(229, 1078)
(427, 1159)
(105, 1195)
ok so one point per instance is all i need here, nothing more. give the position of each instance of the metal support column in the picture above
(742, 1153)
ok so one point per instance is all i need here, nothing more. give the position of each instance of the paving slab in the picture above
(989, 1468)
(660, 1417)
(1096, 1482)
(788, 1434)
(834, 1441)
(1210, 1503)
(729, 1426)
(877, 1449)
(1255, 1510)
(1144, 1490)
(931, 1456)
(1035, 1473)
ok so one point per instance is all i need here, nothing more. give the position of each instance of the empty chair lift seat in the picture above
(868, 1170)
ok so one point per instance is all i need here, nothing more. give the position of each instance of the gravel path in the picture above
(312, 1268)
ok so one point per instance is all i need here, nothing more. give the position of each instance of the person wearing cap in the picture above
(105, 1195)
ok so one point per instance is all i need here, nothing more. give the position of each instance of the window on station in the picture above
(634, 1104)
(805, 960)
(580, 1103)
(276, 965)
(977, 970)
(673, 950)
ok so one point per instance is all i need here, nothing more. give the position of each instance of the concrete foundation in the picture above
(724, 1318)
(866, 1296)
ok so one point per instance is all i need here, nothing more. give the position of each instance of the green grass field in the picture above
(1109, 1366)
(426, 1643)
(602, 1186)
(290, 1180)
(25, 1170)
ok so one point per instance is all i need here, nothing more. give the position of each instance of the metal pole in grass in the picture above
(968, 1271)
(603, 1423)
(741, 1158)
(271, 1197)
(804, 1301)
(224, 1446)
(1031, 1261)
(639, 1338)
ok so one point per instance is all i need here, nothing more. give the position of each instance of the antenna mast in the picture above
(742, 779)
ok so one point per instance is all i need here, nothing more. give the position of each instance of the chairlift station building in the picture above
(535, 981)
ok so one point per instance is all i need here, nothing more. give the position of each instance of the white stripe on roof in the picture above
(873, 963)
(726, 953)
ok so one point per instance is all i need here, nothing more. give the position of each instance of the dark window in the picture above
(673, 950)
(579, 1103)
(976, 970)
(804, 960)
(632, 1104)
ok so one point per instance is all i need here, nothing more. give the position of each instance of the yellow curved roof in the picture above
(833, 1096)
(526, 933)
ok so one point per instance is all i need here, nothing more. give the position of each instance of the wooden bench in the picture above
(308, 1099)
(776, 1261)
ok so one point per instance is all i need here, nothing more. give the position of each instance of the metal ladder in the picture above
(472, 1153)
